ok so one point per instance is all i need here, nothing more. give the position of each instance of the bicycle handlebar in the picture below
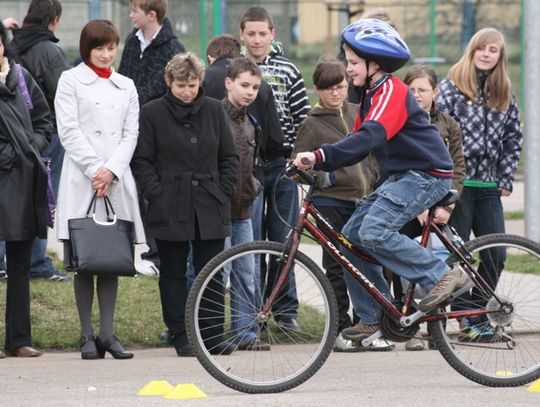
(293, 170)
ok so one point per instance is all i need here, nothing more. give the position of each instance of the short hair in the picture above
(329, 72)
(256, 14)
(158, 6)
(223, 45)
(421, 71)
(380, 13)
(94, 34)
(185, 66)
(240, 65)
(42, 12)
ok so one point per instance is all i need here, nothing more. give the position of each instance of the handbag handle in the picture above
(108, 207)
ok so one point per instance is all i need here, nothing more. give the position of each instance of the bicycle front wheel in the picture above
(502, 347)
(270, 356)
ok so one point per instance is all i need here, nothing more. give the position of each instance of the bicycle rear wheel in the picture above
(501, 348)
(294, 356)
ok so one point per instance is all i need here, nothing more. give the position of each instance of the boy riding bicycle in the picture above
(392, 125)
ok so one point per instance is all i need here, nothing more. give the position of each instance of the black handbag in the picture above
(102, 248)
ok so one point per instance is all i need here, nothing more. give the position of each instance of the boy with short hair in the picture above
(392, 125)
(242, 81)
(257, 32)
(148, 48)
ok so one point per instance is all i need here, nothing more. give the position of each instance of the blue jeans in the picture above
(267, 225)
(374, 228)
(242, 277)
(480, 211)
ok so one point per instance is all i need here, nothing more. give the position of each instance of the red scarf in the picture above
(101, 72)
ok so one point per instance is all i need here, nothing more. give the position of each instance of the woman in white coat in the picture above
(97, 115)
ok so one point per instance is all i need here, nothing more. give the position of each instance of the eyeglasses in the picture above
(420, 91)
(337, 88)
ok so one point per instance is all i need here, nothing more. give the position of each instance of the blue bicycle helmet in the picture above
(375, 40)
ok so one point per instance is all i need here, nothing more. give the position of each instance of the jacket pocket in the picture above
(7, 155)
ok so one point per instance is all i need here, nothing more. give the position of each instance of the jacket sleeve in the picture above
(40, 114)
(307, 140)
(511, 148)
(227, 156)
(69, 132)
(143, 164)
(54, 66)
(446, 97)
(298, 100)
(120, 159)
(456, 152)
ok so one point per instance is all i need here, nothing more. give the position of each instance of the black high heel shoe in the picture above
(113, 346)
(91, 354)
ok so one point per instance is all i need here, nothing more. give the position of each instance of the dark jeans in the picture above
(338, 217)
(480, 211)
(18, 330)
(267, 225)
(173, 289)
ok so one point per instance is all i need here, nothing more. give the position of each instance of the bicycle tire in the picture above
(293, 356)
(501, 349)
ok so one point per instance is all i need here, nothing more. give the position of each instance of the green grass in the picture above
(55, 323)
(514, 215)
(522, 264)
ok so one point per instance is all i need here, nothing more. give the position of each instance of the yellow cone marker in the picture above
(186, 391)
(535, 387)
(156, 388)
(504, 373)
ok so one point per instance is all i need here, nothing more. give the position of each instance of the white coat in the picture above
(98, 125)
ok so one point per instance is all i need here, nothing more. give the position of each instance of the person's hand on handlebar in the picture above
(304, 160)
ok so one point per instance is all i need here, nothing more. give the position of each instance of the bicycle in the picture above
(501, 297)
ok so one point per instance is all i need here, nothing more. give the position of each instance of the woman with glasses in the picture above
(336, 193)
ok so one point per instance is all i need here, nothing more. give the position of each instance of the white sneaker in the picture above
(381, 345)
(344, 345)
(147, 268)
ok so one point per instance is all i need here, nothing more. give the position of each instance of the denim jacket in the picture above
(491, 138)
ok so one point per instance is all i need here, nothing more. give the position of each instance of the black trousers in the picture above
(18, 259)
(337, 217)
(173, 289)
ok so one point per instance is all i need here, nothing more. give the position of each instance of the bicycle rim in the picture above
(502, 348)
(294, 356)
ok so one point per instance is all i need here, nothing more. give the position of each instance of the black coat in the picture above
(185, 164)
(23, 179)
(263, 108)
(147, 68)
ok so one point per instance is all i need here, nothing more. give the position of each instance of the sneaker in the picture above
(254, 344)
(381, 345)
(452, 281)
(184, 351)
(3, 276)
(166, 336)
(345, 345)
(289, 325)
(147, 268)
(479, 332)
(414, 344)
(54, 276)
(359, 331)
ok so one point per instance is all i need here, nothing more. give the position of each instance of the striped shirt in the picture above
(289, 92)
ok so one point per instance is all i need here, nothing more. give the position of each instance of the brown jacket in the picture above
(327, 126)
(451, 135)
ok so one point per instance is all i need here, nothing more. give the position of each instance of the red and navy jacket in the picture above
(392, 125)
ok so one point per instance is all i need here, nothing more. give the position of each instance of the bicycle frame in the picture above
(304, 222)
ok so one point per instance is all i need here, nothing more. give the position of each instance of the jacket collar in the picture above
(84, 74)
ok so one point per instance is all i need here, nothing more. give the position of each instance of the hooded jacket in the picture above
(148, 67)
(40, 54)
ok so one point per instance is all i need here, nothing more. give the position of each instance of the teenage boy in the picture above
(219, 53)
(147, 49)
(411, 151)
(243, 82)
(38, 51)
(257, 32)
